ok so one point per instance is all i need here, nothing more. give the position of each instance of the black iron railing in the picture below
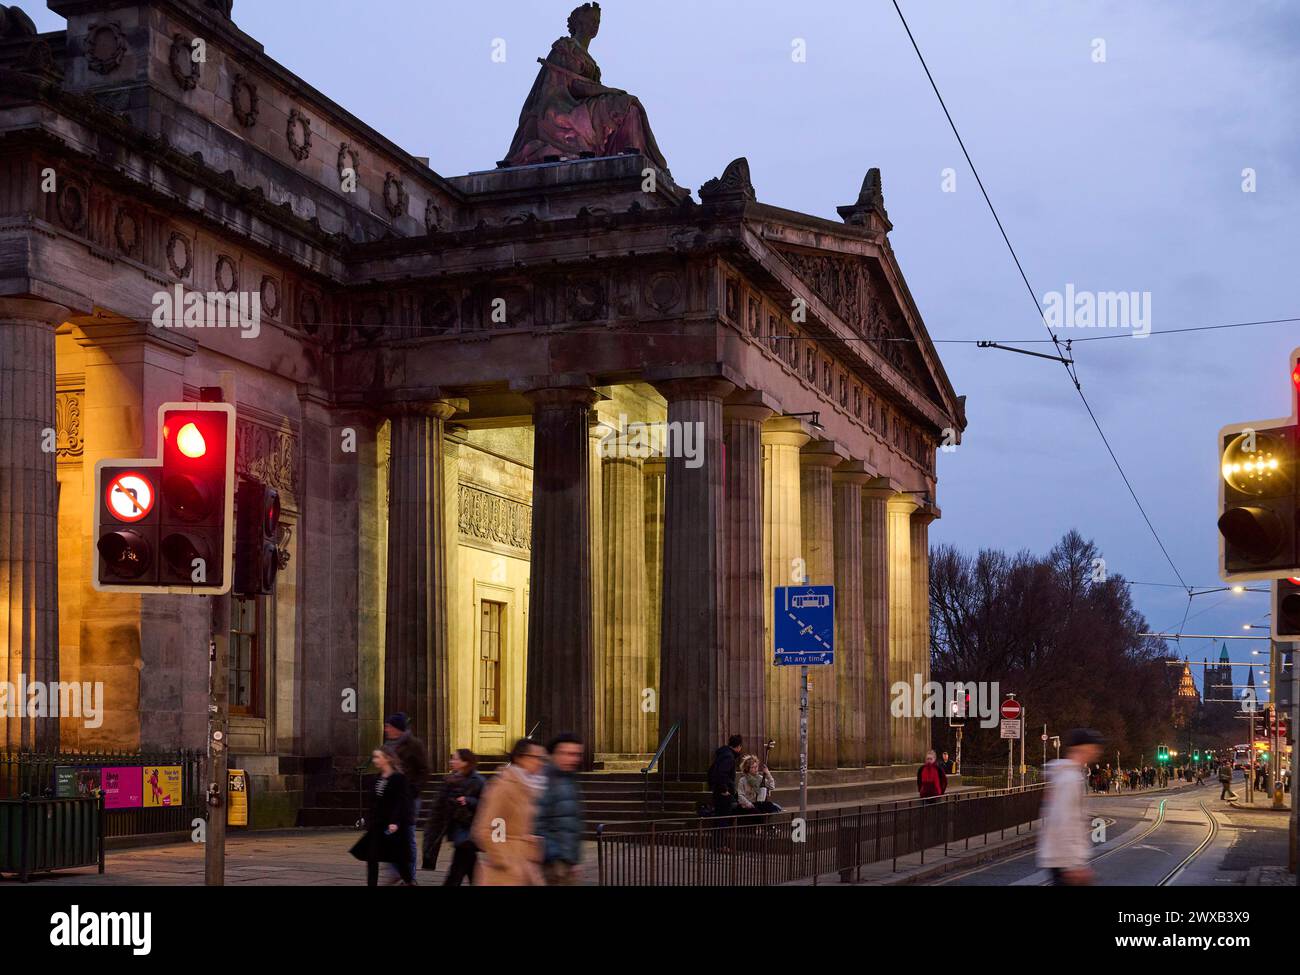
(778, 849)
(37, 775)
(657, 760)
(40, 835)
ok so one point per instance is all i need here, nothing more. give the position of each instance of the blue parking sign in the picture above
(803, 626)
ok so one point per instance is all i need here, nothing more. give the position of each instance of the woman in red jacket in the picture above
(930, 780)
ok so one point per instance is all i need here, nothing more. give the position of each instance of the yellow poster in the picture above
(162, 785)
(237, 798)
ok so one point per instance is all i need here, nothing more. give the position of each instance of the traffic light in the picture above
(257, 523)
(1162, 753)
(165, 524)
(958, 708)
(1286, 609)
(1258, 495)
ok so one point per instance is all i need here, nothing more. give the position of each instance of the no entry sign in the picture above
(1010, 709)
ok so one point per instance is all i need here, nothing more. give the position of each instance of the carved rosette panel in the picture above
(395, 195)
(244, 101)
(432, 217)
(227, 274)
(126, 231)
(105, 47)
(179, 257)
(270, 292)
(72, 205)
(185, 69)
(309, 312)
(487, 517)
(267, 454)
(69, 441)
(349, 161)
(298, 133)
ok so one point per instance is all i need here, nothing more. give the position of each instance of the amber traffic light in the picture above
(1259, 496)
(257, 525)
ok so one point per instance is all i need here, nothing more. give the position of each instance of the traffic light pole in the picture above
(214, 851)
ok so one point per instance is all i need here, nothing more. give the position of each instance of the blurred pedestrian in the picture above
(504, 829)
(1063, 842)
(452, 816)
(930, 780)
(385, 839)
(559, 812)
(1225, 780)
(415, 767)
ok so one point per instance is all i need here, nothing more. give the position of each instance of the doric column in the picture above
(627, 727)
(875, 588)
(744, 680)
(817, 528)
(920, 545)
(416, 673)
(782, 561)
(851, 656)
(560, 646)
(29, 623)
(599, 678)
(902, 664)
(654, 471)
(694, 597)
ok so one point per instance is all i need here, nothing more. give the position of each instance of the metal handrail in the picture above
(659, 753)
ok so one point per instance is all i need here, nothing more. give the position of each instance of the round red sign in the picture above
(1010, 709)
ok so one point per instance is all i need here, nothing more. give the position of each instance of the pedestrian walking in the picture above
(945, 763)
(503, 828)
(754, 787)
(452, 816)
(385, 839)
(1063, 842)
(930, 780)
(559, 813)
(1225, 780)
(415, 767)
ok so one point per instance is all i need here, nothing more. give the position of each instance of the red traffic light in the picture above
(190, 442)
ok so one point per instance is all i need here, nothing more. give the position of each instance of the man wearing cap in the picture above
(1063, 846)
(415, 766)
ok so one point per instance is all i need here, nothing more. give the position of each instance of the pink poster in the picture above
(123, 788)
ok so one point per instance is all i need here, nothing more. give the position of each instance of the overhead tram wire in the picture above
(1069, 367)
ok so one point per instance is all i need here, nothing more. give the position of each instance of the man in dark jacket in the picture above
(415, 767)
(559, 820)
(722, 776)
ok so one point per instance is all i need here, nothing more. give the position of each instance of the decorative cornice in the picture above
(493, 518)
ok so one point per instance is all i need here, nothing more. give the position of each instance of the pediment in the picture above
(857, 291)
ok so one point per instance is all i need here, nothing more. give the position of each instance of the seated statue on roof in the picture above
(569, 114)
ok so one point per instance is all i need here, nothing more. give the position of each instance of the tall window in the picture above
(247, 624)
(489, 661)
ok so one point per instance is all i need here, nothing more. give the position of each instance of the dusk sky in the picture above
(1120, 175)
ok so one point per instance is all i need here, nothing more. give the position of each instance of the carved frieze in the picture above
(244, 101)
(487, 517)
(69, 442)
(586, 299)
(432, 217)
(270, 292)
(309, 312)
(847, 287)
(298, 133)
(268, 454)
(663, 291)
(349, 162)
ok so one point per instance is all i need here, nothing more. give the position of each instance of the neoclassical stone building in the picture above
(445, 386)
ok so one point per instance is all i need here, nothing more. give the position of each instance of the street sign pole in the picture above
(214, 836)
(803, 743)
(1024, 724)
